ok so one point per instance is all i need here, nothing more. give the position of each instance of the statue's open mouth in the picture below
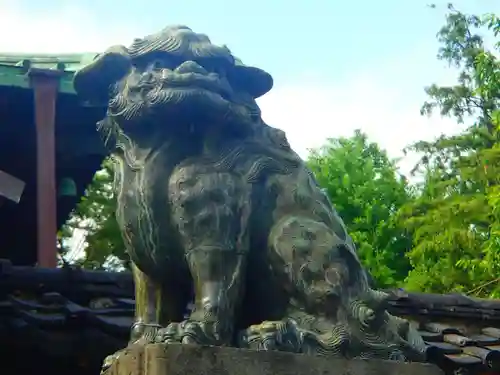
(188, 76)
(170, 90)
(195, 81)
(185, 82)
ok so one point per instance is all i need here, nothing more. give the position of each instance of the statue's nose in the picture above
(190, 67)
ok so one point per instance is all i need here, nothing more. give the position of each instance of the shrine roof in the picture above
(79, 151)
(14, 66)
(66, 313)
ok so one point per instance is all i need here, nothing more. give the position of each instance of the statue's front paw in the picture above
(191, 332)
(141, 334)
(109, 360)
(273, 335)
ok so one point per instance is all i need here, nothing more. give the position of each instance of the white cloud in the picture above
(311, 113)
(377, 101)
(383, 102)
(69, 29)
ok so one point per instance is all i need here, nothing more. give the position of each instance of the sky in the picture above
(337, 65)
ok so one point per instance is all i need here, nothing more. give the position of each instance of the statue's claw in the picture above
(141, 333)
(273, 335)
(191, 332)
(109, 360)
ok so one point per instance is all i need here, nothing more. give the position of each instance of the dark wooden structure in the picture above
(46, 138)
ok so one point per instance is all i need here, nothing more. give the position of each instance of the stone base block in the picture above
(172, 359)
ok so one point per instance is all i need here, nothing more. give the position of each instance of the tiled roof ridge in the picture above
(452, 305)
(74, 280)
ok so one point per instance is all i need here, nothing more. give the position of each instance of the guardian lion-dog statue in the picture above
(216, 209)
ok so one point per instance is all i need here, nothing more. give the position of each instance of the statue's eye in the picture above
(212, 66)
(164, 62)
(159, 64)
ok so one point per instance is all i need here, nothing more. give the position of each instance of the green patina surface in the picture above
(15, 66)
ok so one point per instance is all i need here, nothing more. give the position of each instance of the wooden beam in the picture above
(45, 85)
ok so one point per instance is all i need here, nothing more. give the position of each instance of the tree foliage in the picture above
(364, 187)
(453, 217)
(95, 216)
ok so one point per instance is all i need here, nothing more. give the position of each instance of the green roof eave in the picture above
(14, 76)
(14, 68)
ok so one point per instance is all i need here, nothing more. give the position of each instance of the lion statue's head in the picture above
(175, 75)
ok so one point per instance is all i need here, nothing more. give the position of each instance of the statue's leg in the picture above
(340, 315)
(303, 253)
(156, 306)
(211, 211)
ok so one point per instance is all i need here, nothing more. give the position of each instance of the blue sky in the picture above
(338, 65)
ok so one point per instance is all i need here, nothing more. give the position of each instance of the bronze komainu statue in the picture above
(216, 208)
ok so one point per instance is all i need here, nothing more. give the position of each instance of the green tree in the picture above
(488, 68)
(95, 215)
(451, 220)
(363, 184)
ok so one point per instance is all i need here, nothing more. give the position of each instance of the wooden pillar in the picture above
(45, 85)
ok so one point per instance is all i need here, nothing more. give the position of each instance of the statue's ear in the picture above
(93, 81)
(253, 80)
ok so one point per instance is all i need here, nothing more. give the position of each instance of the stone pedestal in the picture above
(159, 359)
